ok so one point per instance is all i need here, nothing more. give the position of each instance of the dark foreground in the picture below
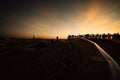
(74, 59)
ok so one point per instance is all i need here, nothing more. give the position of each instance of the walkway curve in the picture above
(115, 69)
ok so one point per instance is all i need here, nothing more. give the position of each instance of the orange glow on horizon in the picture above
(49, 22)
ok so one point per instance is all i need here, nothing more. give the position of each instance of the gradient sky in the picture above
(51, 18)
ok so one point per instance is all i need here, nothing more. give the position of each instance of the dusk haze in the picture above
(51, 18)
(59, 39)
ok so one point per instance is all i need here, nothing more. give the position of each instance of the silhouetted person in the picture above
(57, 38)
(109, 36)
(33, 36)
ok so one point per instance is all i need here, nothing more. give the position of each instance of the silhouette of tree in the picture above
(87, 35)
(97, 35)
(116, 36)
(79, 36)
(104, 36)
(100, 36)
(69, 36)
(92, 35)
(72, 36)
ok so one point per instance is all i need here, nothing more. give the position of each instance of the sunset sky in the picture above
(51, 18)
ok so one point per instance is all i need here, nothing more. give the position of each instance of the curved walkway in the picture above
(115, 69)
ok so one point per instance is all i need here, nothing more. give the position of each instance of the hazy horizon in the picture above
(51, 18)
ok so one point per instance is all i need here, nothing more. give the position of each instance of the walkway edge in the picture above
(115, 69)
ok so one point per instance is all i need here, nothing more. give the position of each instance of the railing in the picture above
(115, 69)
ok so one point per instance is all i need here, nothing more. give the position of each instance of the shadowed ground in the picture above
(74, 59)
